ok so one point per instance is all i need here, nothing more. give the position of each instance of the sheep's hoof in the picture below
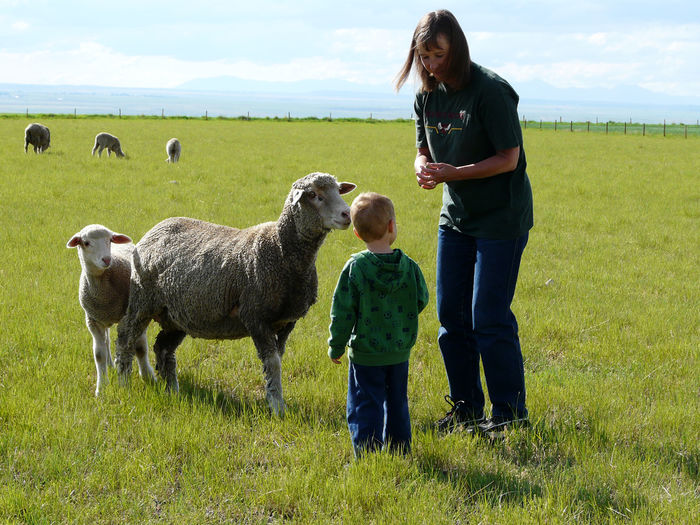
(277, 405)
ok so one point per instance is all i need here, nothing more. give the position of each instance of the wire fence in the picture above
(624, 128)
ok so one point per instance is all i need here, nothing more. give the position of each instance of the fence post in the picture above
(644, 130)
(571, 127)
(686, 131)
(588, 127)
(555, 125)
(625, 127)
(606, 128)
(120, 112)
(664, 127)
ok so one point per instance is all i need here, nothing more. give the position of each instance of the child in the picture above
(375, 310)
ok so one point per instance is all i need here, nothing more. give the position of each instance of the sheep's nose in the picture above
(107, 260)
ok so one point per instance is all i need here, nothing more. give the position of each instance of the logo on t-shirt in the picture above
(446, 128)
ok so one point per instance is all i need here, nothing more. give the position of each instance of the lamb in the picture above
(173, 149)
(105, 140)
(217, 282)
(104, 293)
(38, 136)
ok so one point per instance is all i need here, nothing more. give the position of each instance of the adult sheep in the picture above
(106, 140)
(38, 136)
(216, 282)
(104, 293)
(173, 149)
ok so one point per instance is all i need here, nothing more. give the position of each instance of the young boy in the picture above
(375, 310)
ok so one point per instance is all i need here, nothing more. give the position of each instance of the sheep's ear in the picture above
(120, 238)
(346, 187)
(75, 241)
(296, 196)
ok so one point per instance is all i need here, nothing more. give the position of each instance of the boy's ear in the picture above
(357, 234)
(391, 226)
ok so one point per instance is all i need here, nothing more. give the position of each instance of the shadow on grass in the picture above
(254, 406)
(227, 403)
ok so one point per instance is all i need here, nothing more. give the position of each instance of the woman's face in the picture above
(434, 60)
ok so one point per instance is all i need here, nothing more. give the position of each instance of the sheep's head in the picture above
(323, 192)
(94, 243)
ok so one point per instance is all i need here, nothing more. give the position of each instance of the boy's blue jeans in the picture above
(377, 408)
(476, 281)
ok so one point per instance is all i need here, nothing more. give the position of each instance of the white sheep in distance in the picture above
(173, 149)
(105, 140)
(104, 293)
(38, 136)
(216, 282)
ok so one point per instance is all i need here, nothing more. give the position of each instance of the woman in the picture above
(469, 140)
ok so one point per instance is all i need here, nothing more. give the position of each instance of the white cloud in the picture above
(94, 64)
(20, 26)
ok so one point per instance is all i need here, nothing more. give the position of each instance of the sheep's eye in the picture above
(86, 243)
(312, 194)
(320, 199)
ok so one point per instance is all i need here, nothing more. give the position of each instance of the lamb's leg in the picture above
(94, 149)
(99, 151)
(100, 351)
(145, 370)
(266, 344)
(166, 343)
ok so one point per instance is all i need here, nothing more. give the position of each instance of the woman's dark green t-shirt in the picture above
(467, 126)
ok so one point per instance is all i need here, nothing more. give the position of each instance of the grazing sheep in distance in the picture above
(173, 149)
(216, 282)
(38, 136)
(104, 292)
(105, 140)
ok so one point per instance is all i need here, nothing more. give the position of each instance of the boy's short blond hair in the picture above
(370, 214)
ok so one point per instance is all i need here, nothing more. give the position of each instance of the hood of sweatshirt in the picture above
(384, 271)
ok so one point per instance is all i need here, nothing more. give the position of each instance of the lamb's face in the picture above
(94, 245)
(332, 209)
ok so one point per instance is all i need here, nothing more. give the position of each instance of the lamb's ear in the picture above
(296, 196)
(346, 187)
(75, 241)
(120, 238)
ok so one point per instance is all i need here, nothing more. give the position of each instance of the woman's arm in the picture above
(430, 174)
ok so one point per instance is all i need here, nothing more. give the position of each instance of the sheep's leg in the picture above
(282, 336)
(166, 343)
(100, 351)
(94, 149)
(266, 345)
(129, 330)
(145, 369)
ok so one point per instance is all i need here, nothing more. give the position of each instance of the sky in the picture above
(597, 45)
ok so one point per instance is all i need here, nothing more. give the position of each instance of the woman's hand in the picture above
(433, 173)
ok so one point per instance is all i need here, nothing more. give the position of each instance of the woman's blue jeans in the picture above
(476, 281)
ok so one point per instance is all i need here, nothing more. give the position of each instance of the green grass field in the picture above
(608, 303)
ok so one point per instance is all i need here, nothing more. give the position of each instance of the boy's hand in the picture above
(336, 360)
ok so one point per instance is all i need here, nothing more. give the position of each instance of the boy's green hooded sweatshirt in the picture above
(375, 308)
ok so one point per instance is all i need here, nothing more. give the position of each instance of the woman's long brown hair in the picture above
(458, 65)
